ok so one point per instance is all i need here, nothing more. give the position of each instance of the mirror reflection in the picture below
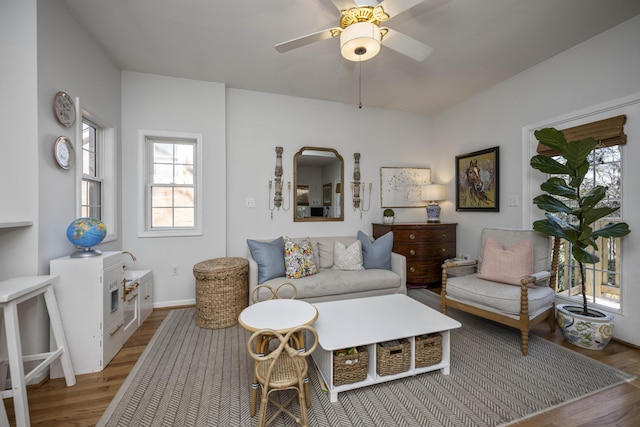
(318, 174)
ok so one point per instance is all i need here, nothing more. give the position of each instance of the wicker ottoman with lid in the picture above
(221, 291)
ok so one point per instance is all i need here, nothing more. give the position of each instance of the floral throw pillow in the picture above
(298, 258)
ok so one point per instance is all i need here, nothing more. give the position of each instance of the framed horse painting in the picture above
(477, 183)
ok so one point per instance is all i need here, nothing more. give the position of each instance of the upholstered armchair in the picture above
(512, 282)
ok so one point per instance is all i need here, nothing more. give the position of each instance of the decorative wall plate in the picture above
(63, 152)
(65, 109)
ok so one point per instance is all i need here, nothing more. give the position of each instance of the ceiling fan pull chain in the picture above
(360, 83)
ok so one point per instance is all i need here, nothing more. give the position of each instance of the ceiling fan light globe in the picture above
(360, 41)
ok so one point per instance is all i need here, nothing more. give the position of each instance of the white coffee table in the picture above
(367, 321)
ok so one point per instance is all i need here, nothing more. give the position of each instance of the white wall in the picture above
(69, 60)
(258, 122)
(153, 102)
(19, 140)
(599, 70)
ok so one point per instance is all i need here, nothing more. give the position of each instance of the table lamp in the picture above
(433, 193)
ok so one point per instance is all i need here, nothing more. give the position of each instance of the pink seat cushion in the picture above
(506, 265)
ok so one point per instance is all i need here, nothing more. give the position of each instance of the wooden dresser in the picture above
(425, 245)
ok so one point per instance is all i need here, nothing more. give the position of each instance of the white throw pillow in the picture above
(347, 257)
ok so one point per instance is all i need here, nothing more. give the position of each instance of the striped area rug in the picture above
(189, 376)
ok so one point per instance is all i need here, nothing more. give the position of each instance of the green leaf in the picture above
(553, 226)
(550, 204)
(583, 256)
(551, 138)
(592, 215)
(617, 229)
(593, 197)
(577, 175)
(576, 152)
(546, 164)
(558, 187)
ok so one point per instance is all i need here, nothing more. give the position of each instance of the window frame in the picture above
(106, 164)
(531, 179)
(144, 183)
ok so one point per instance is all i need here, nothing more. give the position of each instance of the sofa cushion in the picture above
(506, 265)
(270, 258)
(497, 296)
(330, 282)
(298, 258)
(376, 253)
(347, 257)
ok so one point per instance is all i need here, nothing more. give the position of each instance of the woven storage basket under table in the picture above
(393, 359)
(428, 350)
(222, 291)
(350, 368)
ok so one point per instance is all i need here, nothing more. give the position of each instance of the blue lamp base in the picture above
(433, 212)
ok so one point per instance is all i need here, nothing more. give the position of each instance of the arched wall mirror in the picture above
(318, 177)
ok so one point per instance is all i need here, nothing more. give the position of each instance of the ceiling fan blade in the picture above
(396, 7)
(406, 45)
(344, 4)
(305, 40)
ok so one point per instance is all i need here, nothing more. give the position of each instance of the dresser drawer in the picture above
(425, 246)
(425, 250)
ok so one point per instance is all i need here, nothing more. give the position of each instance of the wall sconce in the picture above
(277, 198)
(356, 186)
(433, 193)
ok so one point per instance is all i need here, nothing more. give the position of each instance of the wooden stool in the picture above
(13, 292)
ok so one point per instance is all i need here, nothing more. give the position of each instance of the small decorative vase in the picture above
(388, 219)
(590, 332)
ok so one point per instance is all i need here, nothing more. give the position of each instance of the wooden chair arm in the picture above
(535, 278)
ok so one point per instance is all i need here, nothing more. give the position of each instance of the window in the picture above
(96, 171)
(603, 278)
(91, 186)
(171, 184)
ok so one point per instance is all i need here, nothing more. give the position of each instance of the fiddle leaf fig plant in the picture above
(574, 220)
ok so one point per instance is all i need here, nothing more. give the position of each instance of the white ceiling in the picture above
(476, 44)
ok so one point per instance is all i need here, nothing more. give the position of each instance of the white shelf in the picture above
(15, 224)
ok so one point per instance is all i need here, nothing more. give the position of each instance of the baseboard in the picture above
(174, 303)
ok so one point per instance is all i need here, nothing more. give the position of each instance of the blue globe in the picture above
(86, 232)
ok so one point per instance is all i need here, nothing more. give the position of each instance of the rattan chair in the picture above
(284, 368)
(260, 291)
(521, 306)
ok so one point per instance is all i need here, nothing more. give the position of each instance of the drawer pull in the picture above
(412, 269)
(412, 252)
(443, 250)
(113, 332)
(412, 236)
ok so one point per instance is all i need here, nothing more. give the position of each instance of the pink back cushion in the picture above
(506, 265)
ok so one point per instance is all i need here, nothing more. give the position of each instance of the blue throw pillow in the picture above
(270, 258)
(376, 254)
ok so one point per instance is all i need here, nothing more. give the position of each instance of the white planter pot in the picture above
(387, 219)
(589, 332)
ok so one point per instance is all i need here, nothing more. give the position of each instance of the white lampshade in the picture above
(433, 192)
(360, 37)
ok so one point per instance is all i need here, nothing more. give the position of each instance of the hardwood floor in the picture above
(51, 403)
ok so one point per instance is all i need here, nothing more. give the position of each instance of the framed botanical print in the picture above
(477, 181)
(401, 187)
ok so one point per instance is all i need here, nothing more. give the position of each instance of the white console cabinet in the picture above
(90, 300)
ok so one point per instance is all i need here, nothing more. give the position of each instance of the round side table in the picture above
(221, 291)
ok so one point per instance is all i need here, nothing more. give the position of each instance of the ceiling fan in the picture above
(361, 34)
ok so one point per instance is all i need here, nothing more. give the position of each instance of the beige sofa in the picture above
(329, 284)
